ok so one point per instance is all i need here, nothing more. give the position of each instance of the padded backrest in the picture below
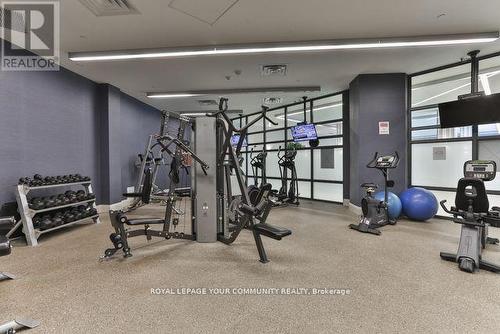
(467, 185)
(146, 187)
(263, 193)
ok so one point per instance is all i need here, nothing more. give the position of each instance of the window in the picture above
(440, 86)
(319, 169)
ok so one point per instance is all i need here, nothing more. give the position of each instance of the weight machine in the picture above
(178, 150)
(217, 213)
(152, 158)
(235, 213)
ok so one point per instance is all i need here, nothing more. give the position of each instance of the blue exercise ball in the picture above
(419, 203)
(394, 203)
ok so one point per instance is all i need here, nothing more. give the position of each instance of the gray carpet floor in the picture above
(397, 281)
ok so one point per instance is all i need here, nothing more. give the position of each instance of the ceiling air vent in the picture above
(272, 100)
(273, 70)
(110, 7)
(207, 102)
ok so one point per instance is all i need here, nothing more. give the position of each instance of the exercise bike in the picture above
(287, 194)
(376, 212)
(472, 211)
(257, 162)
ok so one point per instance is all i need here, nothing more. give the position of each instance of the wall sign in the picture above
(383, 128)
(439, 153)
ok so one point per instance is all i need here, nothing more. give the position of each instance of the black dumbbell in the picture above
(92, 211)
(58, 200)
(25, 180)
(36, 221)
(78, 215)
(46, 222)
(64, 200)
(57, 219)
(71, 196)
(49, 201)
(68, 217)
(85, 178)
(49, 180)
(38, 180)
(81, 195)
(90, 196)
(85, 210)
(36, 203)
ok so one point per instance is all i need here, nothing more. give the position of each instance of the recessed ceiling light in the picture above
(327, 45)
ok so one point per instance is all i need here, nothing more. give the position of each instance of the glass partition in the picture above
(437, 155)
(319, 169)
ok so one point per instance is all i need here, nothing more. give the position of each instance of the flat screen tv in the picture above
(470, 111)
(304, 132)
(236, 138)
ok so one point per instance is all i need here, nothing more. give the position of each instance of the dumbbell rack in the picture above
(27, 213)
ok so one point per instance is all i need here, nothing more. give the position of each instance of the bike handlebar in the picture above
(373, 162)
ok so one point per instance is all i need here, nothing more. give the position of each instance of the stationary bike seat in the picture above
(369, 185)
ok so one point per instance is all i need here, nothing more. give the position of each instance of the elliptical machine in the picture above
(287, 194)
(376, 212)
(473, 212)
(257, 162)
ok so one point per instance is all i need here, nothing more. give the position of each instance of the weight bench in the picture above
(5, 249)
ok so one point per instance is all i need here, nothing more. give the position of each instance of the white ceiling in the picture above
(248, 21)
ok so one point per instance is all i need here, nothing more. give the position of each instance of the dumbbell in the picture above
(81, 195)
(49, 201)
(86, 210)
(38, 180)
(68, 217)
(25, 180)
(36, 203)
(78, 214)
(64, 199)
(57, 219)
(92, 211)
(90, 196)
(58, 200)
(71, 196)
(49, 180)
(46, 222)
(36, 221)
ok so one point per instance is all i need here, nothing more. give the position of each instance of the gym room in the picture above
(249, 166)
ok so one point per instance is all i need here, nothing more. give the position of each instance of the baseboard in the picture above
(104, 208)
(355, 209)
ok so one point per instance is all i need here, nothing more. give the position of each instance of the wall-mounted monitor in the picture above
(236, 138)
(470, 111)
(304, 132)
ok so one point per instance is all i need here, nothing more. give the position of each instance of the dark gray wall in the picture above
(138, 122)
(48, 125)
(374, 98)
(56, 123)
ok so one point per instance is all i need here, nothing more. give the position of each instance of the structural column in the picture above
(377, 123)
(109, 144)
